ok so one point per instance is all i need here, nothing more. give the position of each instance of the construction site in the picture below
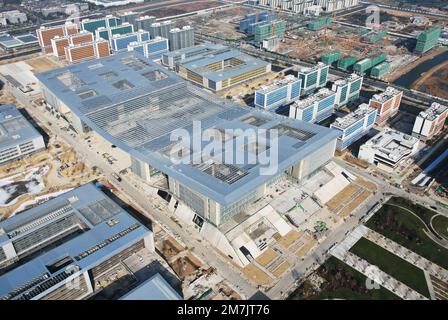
(340, 40)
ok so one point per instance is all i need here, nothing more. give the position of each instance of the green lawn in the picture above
(343, 282)
(393, 265)
(440, 223)
(402, 227)
(423, 212)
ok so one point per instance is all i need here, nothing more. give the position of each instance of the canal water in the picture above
(409, 78)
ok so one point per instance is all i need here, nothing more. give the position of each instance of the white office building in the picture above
(388, 149)
(354, 125)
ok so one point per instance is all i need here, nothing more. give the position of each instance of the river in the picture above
(410, 77)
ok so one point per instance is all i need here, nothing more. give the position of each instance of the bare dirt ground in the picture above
(396, 74)
(434, 82)
(42, 64)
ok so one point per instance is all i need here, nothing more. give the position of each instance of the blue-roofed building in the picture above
(18, 137)
(137, 105)
(247, 23)
(279, 93)
(57, 249)
(354, 125)
(155, 288)
(314, 108)
(120, 42)
(216, 67)
(152, 49)
(347, 89)
(12, 43)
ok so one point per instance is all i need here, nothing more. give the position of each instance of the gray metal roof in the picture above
(14, 128)
(199, 63)
(86, 196)
(140, 120)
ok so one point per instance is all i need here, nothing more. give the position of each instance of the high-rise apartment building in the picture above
(161, 29)
(347, 89)
(18, 137)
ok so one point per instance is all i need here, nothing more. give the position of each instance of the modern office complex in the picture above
(313, 78)
(161, 29)
(215, 67)
(113, 3)
(181, 38)
(45, 34)
(18, 137)
(347, 89)
(430, 122)
(59, 44)
(136, 105)
(252, 18)
(129, 17)
(11, 43)
(152, 49)
(144, 22)
(387, 104)
(87, 51)
(57, 249)
(120, 42)
(268, 29)
(92, 25)
(279, 93)
(354, 125)
(388, 149)
(315, 108)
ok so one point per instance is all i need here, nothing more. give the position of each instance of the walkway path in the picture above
(372, 272)
(408, 255)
